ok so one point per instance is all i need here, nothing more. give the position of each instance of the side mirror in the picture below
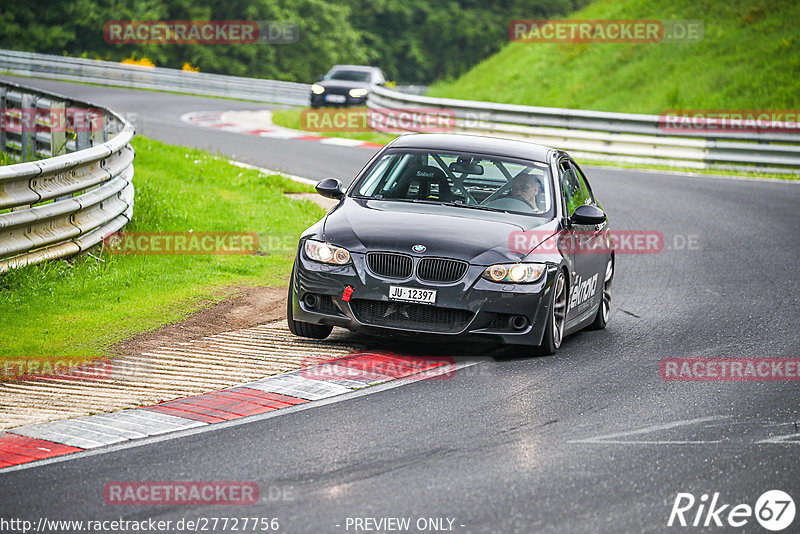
(588, 215)
(330, 188)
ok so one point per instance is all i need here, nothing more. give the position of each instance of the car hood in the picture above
(342, 84)
(479, 237)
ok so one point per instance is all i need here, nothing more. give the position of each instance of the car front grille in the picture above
(420, 317)
(389, 265)
(336, 91)
(501, 321)
(441, 270)
(326, 305)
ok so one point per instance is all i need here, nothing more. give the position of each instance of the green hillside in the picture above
(749, 58)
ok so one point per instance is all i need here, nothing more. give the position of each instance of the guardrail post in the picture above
(28, 128)
(58, 131)
(58, 134)
(3, 119)
(99, 129)
(81, 121)
(27, 133)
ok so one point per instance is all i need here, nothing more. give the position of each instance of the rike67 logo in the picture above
(774, 511)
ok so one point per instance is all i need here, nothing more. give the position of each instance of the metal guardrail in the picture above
(605, 136)
(595, 135)
(162, 79)
(82, 191)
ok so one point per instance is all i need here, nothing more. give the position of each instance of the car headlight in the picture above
(326, 253)
(358, 92)
(317, 89)
(515, 273)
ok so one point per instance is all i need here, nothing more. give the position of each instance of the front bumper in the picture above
(472, 308)
(320, 101)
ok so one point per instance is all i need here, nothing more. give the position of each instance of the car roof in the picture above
(353, 67)
(476, 144)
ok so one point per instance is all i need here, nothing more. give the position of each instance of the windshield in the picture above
(466, 180)
(349, 75)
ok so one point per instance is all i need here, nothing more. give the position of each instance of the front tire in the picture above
(299, 328)
(603, 312)
(554, 330)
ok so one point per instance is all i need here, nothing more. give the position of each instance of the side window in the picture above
(587, 191)
(372, 181)
(574, 194)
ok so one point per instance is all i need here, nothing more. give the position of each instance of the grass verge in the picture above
(748, 59)
(77, 309)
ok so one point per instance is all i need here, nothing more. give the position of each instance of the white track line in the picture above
(611, 438)
(292, 177)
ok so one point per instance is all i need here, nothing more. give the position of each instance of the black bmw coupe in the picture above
(457, 235)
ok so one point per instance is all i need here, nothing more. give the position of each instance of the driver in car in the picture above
(527, 188)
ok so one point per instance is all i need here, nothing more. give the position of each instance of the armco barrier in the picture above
(596, 135)
(110, 73)
(162, 79)
(64, 204)
(621, 137)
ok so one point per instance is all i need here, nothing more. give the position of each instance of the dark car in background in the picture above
(425, 241)
(346, 85)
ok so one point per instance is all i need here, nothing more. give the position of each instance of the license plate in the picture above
(412, 294)
(338, 99)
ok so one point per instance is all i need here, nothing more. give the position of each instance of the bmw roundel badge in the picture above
(419, 248)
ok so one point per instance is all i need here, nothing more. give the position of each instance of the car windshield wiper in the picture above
(487, 208)
(440, 203)
(472, 206)
(379, 197)
(458, 205)
(425, 201)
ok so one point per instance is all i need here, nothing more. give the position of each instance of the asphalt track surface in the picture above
(589, 440)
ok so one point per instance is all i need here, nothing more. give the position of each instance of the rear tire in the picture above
(299, 328)
(603, 312)
(554, 329)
